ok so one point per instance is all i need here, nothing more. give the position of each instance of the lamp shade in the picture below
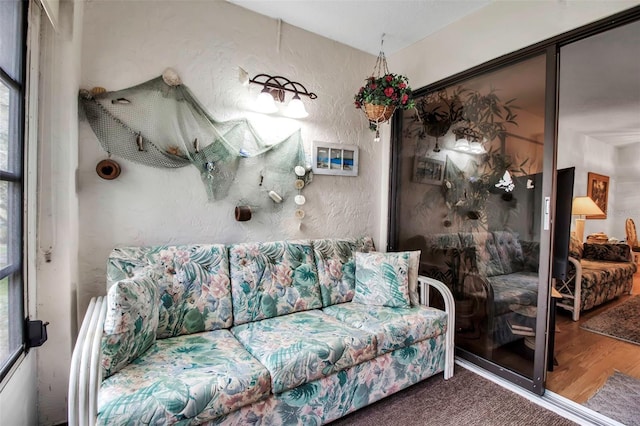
(584, 206)
(296, 108)
(265, 103)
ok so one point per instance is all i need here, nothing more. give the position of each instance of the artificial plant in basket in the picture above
(381, 95)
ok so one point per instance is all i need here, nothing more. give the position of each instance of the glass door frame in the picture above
(551, 49)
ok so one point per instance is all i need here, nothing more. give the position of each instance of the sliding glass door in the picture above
(473, 170)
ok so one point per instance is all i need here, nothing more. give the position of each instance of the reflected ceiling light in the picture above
(274, 88)
(476, 147)
(462, 145)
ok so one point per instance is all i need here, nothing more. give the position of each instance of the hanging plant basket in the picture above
(378, 113)
(382, 94)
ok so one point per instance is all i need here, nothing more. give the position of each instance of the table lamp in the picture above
(583, 206)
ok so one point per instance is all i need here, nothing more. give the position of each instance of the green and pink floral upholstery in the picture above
(337, 395)
(272, 279)
(192, 283)
(188, 379)
(394, 328)
(382, 279)
(208, 334)
(131, 321)
(305, 346)
(336, 267)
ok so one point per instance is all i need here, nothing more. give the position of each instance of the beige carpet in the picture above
(465, 399)
(618, 399)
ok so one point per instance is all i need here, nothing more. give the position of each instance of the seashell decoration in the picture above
(173, 150)
(171, 77)
(85, 94)
(96, 91)
(299, 214)
(299, 184)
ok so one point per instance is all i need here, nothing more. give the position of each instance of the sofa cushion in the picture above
(131, 322)
(520, 288)
(576, 247)
(487, 257)
(607, 252)
(192, 281)
(195, 377)
(382, 279)
(304, 346)
(509, 251)
(337, 267)
(271, 279)
(394, 328)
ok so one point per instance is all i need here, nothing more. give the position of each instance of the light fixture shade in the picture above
(462, 145)
(265, 103)
(296, 108)
(476, 148)
(584, 206)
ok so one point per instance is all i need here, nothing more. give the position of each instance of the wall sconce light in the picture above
(468, 140)
(274, 88)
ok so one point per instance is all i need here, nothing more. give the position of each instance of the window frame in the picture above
(16, 212)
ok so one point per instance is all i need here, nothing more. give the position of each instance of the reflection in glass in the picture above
(469, 198)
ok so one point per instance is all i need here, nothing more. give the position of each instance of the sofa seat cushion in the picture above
(304, 346)
(272, 279)
(394, 328)
(520, 288)
(193, 378)
(595, 273)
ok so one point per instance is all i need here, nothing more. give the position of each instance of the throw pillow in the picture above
(414, 266)
(131, 322)
(382, 279)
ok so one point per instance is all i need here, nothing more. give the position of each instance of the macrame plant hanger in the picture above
(377, 114)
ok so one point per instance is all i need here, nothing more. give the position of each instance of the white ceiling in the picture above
(361, 23)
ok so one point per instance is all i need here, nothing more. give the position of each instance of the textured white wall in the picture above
(130, 42)
(627, 196)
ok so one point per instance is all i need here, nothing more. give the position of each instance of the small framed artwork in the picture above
(598, 191)
(428, 170)
(334, 159)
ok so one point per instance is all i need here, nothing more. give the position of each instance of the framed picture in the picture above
(334, 159)
(598, 190)
(428, 170)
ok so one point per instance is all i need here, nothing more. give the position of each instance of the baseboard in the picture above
(550, 400)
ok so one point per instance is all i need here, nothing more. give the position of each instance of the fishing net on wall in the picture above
(161, 124)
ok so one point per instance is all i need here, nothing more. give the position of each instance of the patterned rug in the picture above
(620, 322)
(618, 399)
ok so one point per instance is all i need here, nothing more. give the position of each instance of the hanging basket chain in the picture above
(380, 68)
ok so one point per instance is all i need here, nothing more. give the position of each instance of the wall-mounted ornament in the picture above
(335, 159)
(382, 94)
(108, 169)
(243, 213)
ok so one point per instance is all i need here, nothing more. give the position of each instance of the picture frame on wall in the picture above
(598, 191)
(334, 159)
(428, 170)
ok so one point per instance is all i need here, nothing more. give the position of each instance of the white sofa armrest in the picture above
(85, 372)
(450, 308)
(571, 297)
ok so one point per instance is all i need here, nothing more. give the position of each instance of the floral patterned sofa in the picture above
(604, 271)
(290, 332)
(495, 272)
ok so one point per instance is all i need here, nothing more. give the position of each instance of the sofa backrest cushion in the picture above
(382, 279)
(487, 258)
(272, 279)
(607, 252)
(131, 321)
(192, 282)
(576, 248)
(509, 251)
(337, 268)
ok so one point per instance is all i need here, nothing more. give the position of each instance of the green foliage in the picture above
(389, 90)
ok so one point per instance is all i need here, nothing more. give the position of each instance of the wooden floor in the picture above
(587, 359)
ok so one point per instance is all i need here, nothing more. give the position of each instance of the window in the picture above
(12, 101)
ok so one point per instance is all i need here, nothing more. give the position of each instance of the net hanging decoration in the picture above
(383, 93)
(160, 123)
